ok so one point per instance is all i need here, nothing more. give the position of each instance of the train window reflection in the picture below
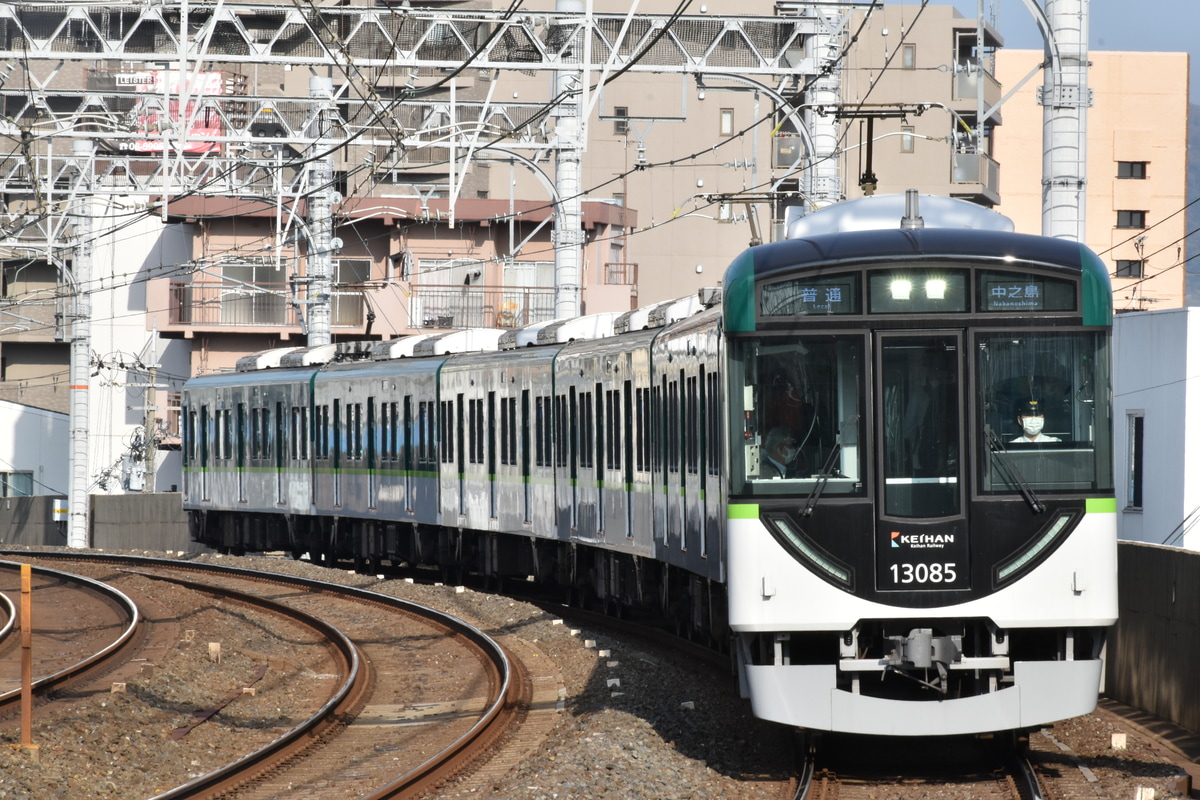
(1051, 378)
(800, 402)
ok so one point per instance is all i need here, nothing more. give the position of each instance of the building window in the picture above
(1134, 170)
(727, 122)
(909, 56)
(1133, 478)
(1129, 268)
(621, 126)
(907, 140)
(16, 484)
(1131, 219)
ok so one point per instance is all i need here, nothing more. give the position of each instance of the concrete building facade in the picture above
(1156, 421)
(1136, 168)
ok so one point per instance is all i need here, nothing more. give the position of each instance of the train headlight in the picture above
(1030, 553)
(935, 289)
(794, 539)
(901, 289)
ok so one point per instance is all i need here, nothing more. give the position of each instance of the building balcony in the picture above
(440, 306)
(969, 80)
(258, 308)
(975, 177)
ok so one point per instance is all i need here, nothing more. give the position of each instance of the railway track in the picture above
(858, 768)
(378, 697)
(81, 627)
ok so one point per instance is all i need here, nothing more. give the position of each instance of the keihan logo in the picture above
(935, 541)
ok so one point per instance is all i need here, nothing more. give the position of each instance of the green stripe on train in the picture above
(743, 511)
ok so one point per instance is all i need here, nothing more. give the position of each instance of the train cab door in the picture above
(921, 526)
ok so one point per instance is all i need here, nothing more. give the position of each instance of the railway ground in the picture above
(622, 720)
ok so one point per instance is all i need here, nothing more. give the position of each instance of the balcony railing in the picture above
(436, 306)
(980, 171)
(262, 305)
(620, 273)
(967, 82)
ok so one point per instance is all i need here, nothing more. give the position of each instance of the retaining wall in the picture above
(1154, 649)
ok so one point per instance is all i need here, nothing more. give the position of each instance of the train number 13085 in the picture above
(924, 573)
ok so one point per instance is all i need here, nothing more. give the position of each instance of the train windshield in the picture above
(1044, 421)
(797, 403)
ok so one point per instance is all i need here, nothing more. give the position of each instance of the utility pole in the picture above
(151, 421)
(568, 228)
(320, 217)
(1065, 98)
(78, 534)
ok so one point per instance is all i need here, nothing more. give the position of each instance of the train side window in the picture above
(446, 429)
(713, 416)
(426, 449)
(371, 431)
(674, 420)
(408, 433)
(336, 426)
(691, 427)
(587, 430)
(504, 454)
(627, 427)
(641, 420)
(572, 432)
(612, 424)
(542, 431)
(512, 431)
(560, 431)
(189, 435)
(203, 437)
(658, 443)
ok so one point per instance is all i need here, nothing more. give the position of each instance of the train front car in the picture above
(922, 523)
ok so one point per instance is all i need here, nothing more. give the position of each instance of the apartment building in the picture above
(1136, 168)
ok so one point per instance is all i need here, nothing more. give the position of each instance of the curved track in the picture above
(417, 694)
(81, 627)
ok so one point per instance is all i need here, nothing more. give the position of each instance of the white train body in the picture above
(885, 575)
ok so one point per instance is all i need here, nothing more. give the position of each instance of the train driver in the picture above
(1032, 420)
(781, 452)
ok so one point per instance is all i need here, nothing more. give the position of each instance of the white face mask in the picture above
(789, 454)
(1033, 425)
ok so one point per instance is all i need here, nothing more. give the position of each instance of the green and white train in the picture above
(822, 466)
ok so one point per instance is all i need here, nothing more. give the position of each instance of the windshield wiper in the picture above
(822, 478)
(1014, 472)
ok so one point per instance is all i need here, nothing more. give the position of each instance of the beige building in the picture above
(1136, 168)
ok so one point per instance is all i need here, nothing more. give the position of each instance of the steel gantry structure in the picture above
(166, 98)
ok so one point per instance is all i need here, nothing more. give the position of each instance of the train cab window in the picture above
(796, 405)
(920, 434)
(1043, 425)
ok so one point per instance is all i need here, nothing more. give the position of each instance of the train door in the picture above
(921, 531)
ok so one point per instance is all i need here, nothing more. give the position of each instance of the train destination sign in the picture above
(833, 295)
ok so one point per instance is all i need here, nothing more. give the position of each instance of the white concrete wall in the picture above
(1157, 373)
(35, 440)
(124, 258)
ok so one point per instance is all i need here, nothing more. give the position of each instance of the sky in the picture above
(1150, 25)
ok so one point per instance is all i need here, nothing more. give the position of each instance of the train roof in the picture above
(837, 246)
